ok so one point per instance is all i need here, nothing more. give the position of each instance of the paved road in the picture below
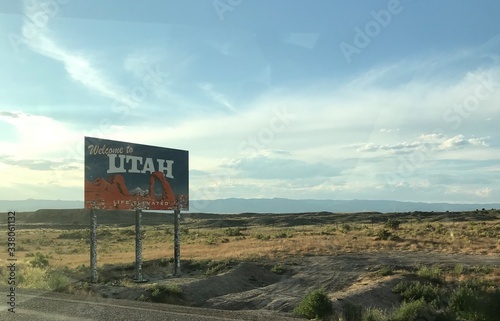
(44, 306)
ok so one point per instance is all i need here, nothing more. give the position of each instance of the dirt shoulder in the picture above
(351, 277)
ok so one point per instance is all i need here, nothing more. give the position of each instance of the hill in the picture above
(271, 205)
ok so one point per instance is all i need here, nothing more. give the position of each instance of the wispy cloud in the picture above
(37, 136)
(262, 167)
(38, 164)
(459, 142)
(78, 64)
(216, 96)
(306, 40)
(340, 139)
(429, 142)
(389, 130)
(478, 192)
(80, 69)
(9, 114)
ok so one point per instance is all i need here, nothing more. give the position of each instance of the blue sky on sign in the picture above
(384, 99)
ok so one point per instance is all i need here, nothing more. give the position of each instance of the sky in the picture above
(381, 100)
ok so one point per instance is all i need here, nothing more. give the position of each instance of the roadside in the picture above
(259, 285)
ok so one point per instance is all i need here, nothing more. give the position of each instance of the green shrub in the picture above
(40, 260)
(284, 235)
(233, 231)
(492, 304)
(374, 315)
(82, 268)
(483, 269)
(162, 293)
(392, 223)
(58, 281)
(394, 237)
(412, 311)
(263, 237)
(344, 228)
(466, 302)
(432, 274)
(278, 268)
(74, 235)
(31, 277)
(385, 271)
(416, 291)
(459, 269)
(400, 287)
(127, 232)
(102, 233)
(383, 234)
(44, 242)
(352, 312)
(217, 267)
(315, 305)
(475, 300)
(212, 240)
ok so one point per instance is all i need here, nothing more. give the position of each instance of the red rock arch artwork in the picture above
(167, 192)
(113, 194)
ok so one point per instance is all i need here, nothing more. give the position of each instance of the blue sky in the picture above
(325, 100)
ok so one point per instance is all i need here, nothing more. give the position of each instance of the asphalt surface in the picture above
(44, 306)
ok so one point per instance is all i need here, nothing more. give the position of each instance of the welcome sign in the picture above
(121, 175)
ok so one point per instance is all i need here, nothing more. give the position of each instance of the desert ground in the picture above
(265, 262)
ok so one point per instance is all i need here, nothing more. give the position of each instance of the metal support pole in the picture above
(138, 246)
(177, 242)
(93, 246)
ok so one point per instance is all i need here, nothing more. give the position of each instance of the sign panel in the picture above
(120, 175)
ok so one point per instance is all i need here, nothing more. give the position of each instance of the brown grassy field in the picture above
(270, 261)
(247, 236)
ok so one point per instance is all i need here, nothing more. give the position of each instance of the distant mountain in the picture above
(139, 191)
(274, 205)
(34, 204)
(283, 205)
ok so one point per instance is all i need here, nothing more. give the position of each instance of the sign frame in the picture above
(123, 176)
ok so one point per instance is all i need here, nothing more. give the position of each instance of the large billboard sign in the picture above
(120, 175)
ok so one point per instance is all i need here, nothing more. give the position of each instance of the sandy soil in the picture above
(349, 277)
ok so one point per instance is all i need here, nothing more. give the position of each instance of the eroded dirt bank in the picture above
(348, 277)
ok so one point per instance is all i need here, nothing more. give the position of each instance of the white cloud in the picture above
(80, 69)
(139, 61)
(216, 96)
(361, 126)
(224, 48)
(459, 141)
(37, 162)
(263, 167)
(306, 40)
(37, 136)
(389, 130)
(371, 147)
(470, 193)
(427, 142)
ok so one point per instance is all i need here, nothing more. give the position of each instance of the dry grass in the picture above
(117, 245)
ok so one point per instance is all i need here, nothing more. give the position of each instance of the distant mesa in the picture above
(265, 205)
(141, 192)
(113, 194)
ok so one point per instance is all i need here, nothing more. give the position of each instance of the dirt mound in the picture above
(369, 293)
(244, 277)
(349, 278)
